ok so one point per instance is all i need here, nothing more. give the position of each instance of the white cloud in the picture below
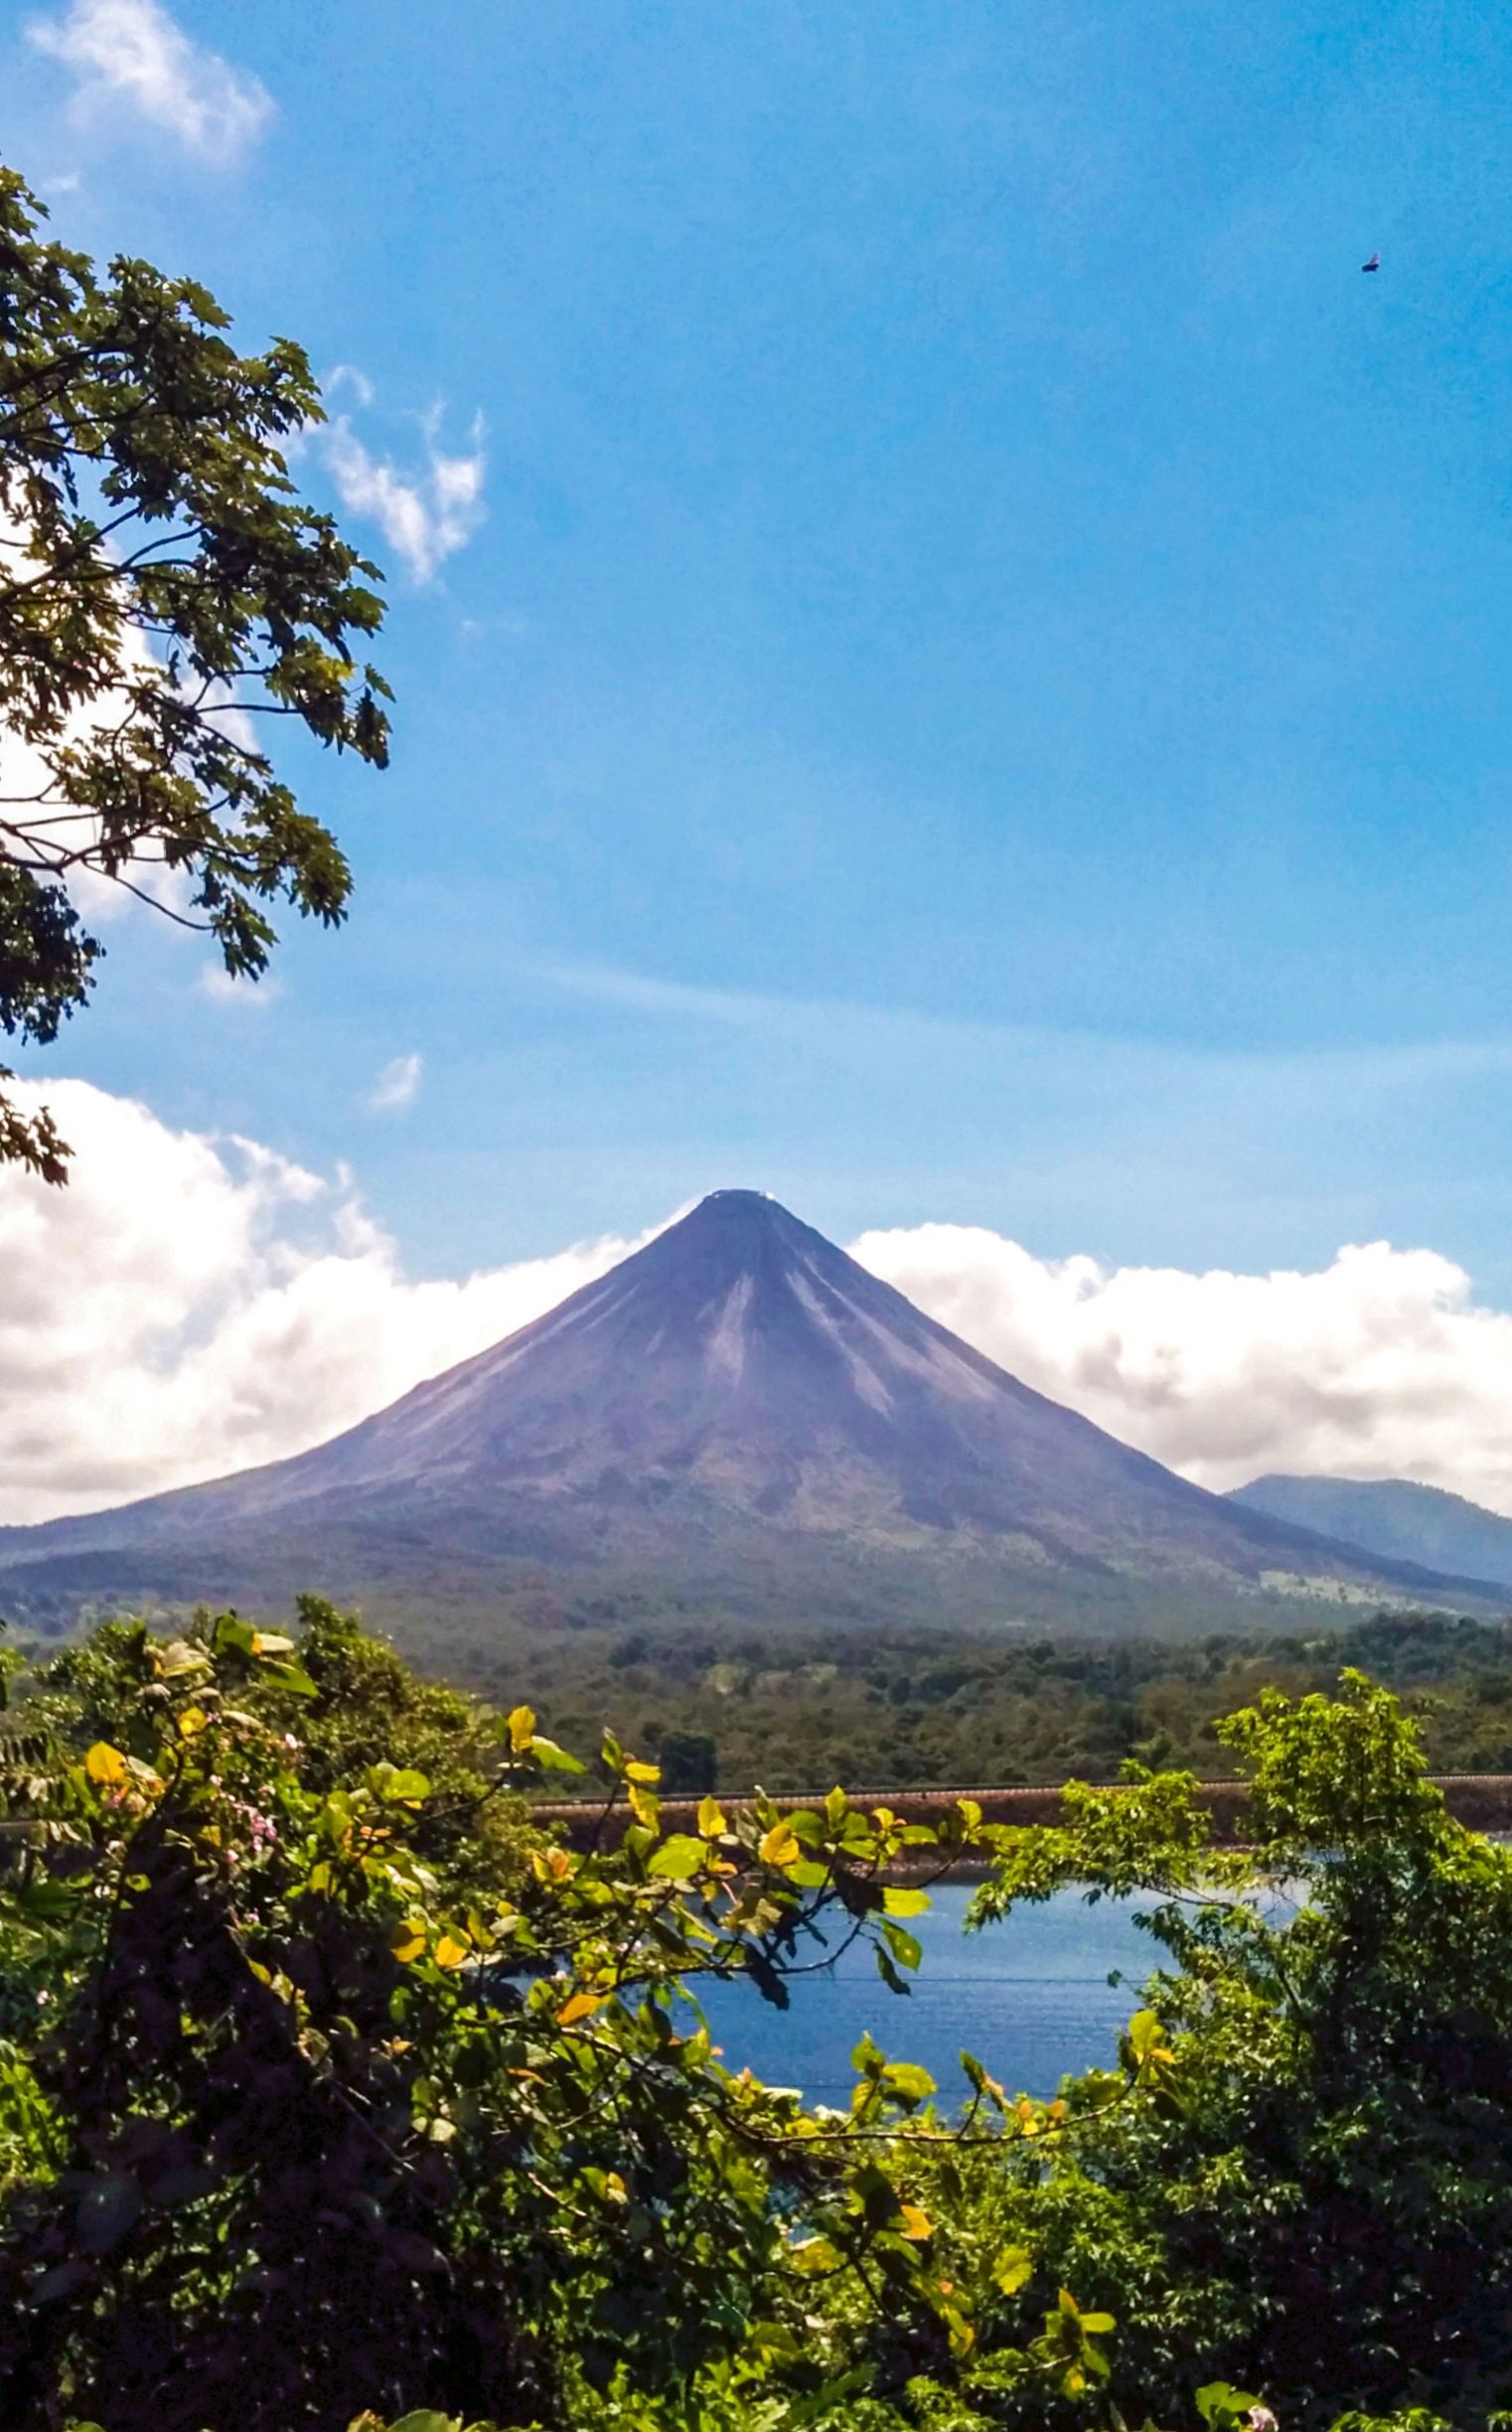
(1379, 1365)
(397, 1085)
(40, 802)
(189, 1306)
(132, 53)
(249, 995)
(425, 513)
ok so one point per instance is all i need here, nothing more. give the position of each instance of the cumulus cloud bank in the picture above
(132, 54)
(1379, 1365)
(191, 1305)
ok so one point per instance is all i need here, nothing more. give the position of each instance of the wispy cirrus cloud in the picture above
(425, 512)
(397, 1086)
(132, 56)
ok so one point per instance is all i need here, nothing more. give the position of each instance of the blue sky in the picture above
(981, 691)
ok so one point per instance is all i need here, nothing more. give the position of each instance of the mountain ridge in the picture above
(1396, 1519)
(737, 1413)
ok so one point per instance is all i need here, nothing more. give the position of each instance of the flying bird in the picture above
(1374, 263)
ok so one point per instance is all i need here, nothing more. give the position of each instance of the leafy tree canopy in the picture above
(320, 2092)
(164, 597)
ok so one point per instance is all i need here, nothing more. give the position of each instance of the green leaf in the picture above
(889, 1974)
(901, 1899)
(291, 1677)
(405, 1787)
(554, 1759)
(233, 1635)
(1014, 2268)
(908, 2081)
(680, 1856)
(905, 1947)
(1221, 2406)
(774, 2340)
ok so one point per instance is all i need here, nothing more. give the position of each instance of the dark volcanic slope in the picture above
(740, 1412)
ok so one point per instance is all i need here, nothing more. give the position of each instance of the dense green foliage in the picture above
(898, 1709)
(157, 571)
(330, 2082)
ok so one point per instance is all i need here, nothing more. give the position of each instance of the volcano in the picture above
(736, 1420)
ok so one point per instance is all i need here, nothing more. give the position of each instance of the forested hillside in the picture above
(898, 1709)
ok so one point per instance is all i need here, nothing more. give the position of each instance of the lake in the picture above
(1030, 1997)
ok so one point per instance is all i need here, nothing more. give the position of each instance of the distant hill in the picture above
(738, 1421)
(1392, 1518)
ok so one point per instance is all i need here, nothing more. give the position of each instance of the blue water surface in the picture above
(1030, 1997)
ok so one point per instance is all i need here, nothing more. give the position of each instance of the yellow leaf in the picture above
(192, 1721)
(636, 1771)
(916, 2222)
(449, 1952)
(408, 1939)
(614, 2189)
(711, 1819)
(522, 1728)
(104, 1764)
(780, 1846)
(644, 1808)
(581, 2006)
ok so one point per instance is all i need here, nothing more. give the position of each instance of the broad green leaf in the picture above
(1013, 2269)
(902, 1900)
(771, 2339)
(291, 1677)
(554, 1759)
(680, 1856)
(906, 2080)
(405, 1787)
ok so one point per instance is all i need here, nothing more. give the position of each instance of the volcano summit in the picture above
(736, 1420)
